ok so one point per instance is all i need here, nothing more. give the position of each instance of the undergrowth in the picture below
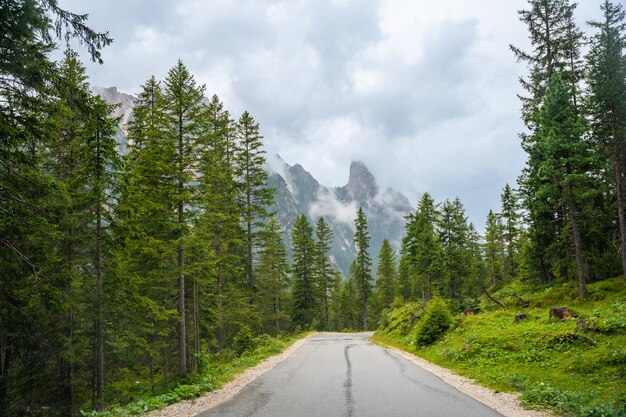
(575, 367)
(214, 371)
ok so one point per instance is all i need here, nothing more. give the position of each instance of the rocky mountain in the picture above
(124, 110)
(298, 192)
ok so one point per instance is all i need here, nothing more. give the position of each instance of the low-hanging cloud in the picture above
(423, 93)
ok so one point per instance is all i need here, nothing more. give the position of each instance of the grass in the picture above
(575, 372)
(214, 372)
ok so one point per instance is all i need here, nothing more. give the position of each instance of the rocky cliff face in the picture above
(298, 192)
(124, 110)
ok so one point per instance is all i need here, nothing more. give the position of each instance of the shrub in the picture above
(244, 340)
(435, 321)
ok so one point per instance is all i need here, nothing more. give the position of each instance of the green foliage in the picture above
(553, 364)
(435, 321)
(244, 340)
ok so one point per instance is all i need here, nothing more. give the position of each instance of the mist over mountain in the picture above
(297, 191)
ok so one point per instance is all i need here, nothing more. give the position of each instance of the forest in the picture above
(126, 275)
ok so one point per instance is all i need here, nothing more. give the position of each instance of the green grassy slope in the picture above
(577, 372)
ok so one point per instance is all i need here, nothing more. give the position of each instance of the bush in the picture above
(244, 340)
(435, 321)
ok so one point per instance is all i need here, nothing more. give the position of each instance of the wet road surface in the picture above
(344, 375)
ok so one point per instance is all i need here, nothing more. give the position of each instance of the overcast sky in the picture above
(423, 92)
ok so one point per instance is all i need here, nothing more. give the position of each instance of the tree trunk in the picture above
(578, 250)
(619, 191)
(99, 282)
(182, 329)
(196, 324)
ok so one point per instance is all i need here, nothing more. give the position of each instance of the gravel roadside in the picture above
(504, 403)
(190, 408)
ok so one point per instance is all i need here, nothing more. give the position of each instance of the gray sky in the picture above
(423, 92)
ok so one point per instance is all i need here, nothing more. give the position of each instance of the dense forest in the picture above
(124, 270)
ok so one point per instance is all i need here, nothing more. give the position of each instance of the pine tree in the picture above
(386, 273)
(493, 248)
(606, 62)
(422, 249)
(144, 226)
(324, 271)
(556, 42)
(256, 195)
(363, 265)
(219, 221)
(184, 113)
(454, 237)
(273, 278)
(304, 286)
(511, 229)
(567, 160)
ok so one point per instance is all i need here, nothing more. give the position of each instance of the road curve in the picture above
(344, 375)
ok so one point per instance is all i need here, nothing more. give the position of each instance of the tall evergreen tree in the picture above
(422, 249)
(256, 195)
(556, 42)
(606, 62)
(386, 273)
(567, 159)
(363, 265)
(324, 271)
(184, 113)
(493, 248)
(304, 287)
(273, 278)
(454, 237)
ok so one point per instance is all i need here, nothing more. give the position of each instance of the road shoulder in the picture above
(190, 408)
(504, 403)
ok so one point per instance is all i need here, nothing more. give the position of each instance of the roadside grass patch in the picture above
(573, 370)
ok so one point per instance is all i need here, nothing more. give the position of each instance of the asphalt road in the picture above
(336, 374)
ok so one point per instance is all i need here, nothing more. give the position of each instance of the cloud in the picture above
(328, 206)
(423, 92)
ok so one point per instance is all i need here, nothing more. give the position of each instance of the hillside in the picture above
(576, 367)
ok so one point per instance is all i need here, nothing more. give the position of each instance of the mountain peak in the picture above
(361, 184)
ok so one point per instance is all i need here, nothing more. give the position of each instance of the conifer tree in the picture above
(510, 219)
(567, 158)
(363, 265)
(556, 42)
(303, 275)
(454, 237)
(219, 221)
(422, 248)
(324, 271)
(493, 248)
(273, 279)
(256, 195)
(184, 114)
(386, 273)
(606, 62)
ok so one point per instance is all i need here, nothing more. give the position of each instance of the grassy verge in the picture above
(573, 369)
(214, 372)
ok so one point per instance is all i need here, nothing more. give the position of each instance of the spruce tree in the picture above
(184, 114)
(386, 273)
(606, 63)
(324, 271)
(273, 279)
(304, 287)
(256, 195)
(493, 248)
(454, 237)
(567, 159)
(363, 265)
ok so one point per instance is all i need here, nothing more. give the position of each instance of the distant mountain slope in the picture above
(298, 192)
